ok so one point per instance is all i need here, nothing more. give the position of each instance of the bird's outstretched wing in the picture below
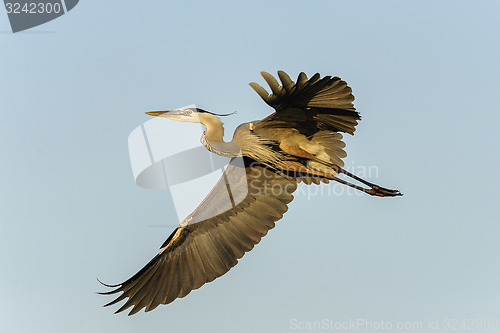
(326, 103)
(209, 242)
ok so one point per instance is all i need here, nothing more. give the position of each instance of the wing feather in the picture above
(161, 288)
(185, 275)
(174, 289)
(273, 84)
(287, 82)
(309, 114)
(327, 101)
(196, 265)
(197, 253)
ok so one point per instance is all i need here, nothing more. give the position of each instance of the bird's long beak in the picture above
(156, 113)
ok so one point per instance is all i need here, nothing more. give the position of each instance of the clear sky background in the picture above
(426, 79)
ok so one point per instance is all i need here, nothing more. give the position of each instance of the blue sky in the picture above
(425, 76)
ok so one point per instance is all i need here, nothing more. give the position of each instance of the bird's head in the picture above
(186, 114)
(191, 115)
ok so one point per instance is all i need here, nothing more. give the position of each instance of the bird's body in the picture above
(299, 142)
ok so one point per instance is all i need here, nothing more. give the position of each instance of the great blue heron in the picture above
(298, 142)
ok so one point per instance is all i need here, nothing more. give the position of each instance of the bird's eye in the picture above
(184, 113)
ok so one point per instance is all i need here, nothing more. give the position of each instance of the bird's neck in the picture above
(214, 131)
(213, 137)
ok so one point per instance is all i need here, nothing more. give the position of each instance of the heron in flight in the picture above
(300, 142)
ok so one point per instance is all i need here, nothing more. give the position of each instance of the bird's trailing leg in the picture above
(373, 190)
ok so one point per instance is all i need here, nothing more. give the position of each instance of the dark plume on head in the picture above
(215, 114)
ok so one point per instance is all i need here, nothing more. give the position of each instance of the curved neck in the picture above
(214, 130)
(213, 137)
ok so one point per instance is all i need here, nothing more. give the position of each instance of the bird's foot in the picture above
(383, 192)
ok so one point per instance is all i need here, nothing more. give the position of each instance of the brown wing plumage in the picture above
(309, 116)
(320, 103)
(212, 239)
